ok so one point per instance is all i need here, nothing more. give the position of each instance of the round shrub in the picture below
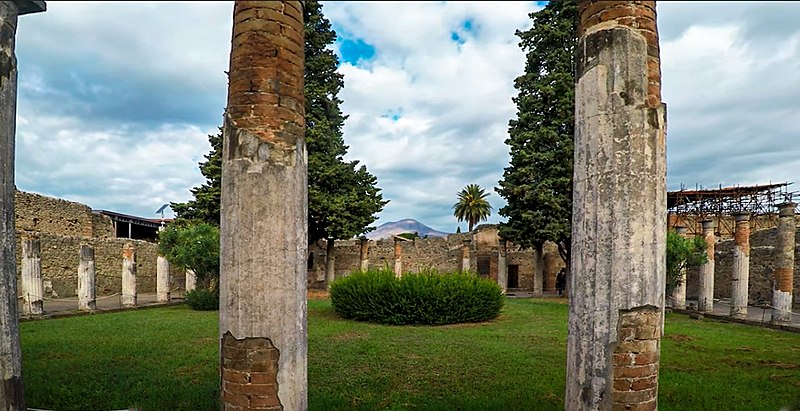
(202, 299)
(426, 298)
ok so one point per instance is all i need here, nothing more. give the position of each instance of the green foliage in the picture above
(193, 246)
(425, 298)
(537, 184)
(343, 199)
(202, 299)
(683, 253)
(205, 205)
(472, 206)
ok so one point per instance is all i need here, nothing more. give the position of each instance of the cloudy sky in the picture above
(116, 99)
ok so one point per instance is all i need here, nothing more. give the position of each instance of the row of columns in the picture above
(33, 289)
(740, 278)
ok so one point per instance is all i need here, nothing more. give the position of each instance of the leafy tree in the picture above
(683, 253)
(205, 205)
(193, 246)
(343, 199)
(472, 206)
(537, 184)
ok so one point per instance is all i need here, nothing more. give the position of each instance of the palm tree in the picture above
(472, 206)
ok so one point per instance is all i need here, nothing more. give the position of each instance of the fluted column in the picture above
(618, 271)
(502, 266)
(364, 266)
(87, 279)
(398, 258)
(129, 296)
(32, 289)
(705, 298)
(162, 279)
(679, 293)
(740, 278)
(784, 265)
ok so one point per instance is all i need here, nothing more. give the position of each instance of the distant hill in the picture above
(408, 225)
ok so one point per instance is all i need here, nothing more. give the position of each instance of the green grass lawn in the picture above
(166, 359)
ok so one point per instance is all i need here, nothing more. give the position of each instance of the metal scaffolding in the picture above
(689, 207)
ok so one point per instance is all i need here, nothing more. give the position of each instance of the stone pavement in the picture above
(58, 307)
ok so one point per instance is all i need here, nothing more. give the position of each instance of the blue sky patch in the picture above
(356, 50)
(394, 114)
(542, 3)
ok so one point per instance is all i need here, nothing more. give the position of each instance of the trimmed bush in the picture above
(202, 299)
(430, 298)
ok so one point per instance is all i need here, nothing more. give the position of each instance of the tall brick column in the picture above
(11, 392)
(740, 278)
(705, 298)
(679, 293)
(263, 230)
(129, 296)
(784, 265)
(364, 266)
(87, 279)
(616, 292)
(502, 266)
(465, 257)
(32, 288)
(398, 258)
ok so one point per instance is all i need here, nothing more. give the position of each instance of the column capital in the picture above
(741, 216)
(786, 209)
(30, 6)
(681, 230)
(708, 224)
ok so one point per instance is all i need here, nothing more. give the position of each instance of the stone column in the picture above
(740, 277)
(398, 258)
(465, 257)
(502, 266)
(162, 279)
(129, 275)
(190, 280)
(11, 393)
(87, 288)
(263, 230)
(32, 289)
(679, 293)
(705, 298)
(364, 255)
(330, 262)
(784, 265)
(618, 270)
(538, 270)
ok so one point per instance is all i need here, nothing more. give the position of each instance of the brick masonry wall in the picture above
(35, 212)
(762, 268)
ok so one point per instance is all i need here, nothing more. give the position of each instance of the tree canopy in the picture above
(343, 199)
(682, 253)
(472, 205)
(537, 185)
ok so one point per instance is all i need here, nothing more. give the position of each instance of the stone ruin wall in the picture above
(762, 257)
(442, 254)
(62, 226)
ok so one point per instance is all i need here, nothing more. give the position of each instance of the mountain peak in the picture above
(407, 225)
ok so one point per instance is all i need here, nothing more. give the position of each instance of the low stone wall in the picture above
(59, 259)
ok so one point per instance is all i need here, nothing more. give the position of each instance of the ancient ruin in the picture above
(619, 220)
(263, 233)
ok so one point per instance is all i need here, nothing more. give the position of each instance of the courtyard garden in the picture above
(166, 359)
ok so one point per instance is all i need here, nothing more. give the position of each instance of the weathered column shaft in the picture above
(740, 277)
(705, 298)
(784, 265)
(129, 275)
(679, 293)
(330, 263)
(398, 259)
(465, 256)
(538, 269)
(32, 289)
(364, 255)
(190, 281)
(11, 392)
(162, 279)
(619, 217)
(502, 266)
(263, 231)
(87, 279)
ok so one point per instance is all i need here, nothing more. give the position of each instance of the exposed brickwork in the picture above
(639, 15)
(35, 212)
(249, 374)
(742, 236)
(635, 360)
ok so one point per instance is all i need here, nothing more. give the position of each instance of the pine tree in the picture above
(537, 185)
(205, 205)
